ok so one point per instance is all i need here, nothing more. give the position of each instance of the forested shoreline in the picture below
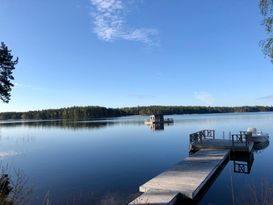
(92, 112)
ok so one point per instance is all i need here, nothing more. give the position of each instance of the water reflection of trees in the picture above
(66, 124)
(58, 124)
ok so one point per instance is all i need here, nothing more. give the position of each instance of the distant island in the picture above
(92, 112)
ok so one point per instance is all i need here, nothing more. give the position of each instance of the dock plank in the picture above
(156, 197)
(221, 144)
(187, 177)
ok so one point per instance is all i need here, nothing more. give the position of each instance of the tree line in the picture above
(93, 112)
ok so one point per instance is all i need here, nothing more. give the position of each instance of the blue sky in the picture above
(118, 53)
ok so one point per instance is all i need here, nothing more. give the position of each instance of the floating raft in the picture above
(187, 178)
(205, 139)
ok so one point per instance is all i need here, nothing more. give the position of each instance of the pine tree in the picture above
(7, 65)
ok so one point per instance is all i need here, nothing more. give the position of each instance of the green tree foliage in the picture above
(7, 65)
(266, 7)
(93, 112)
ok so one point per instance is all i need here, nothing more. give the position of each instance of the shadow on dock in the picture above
(242, 163)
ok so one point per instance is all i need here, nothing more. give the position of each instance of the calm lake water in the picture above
(105, 161)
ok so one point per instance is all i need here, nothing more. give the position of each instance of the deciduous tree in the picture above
(266, 7)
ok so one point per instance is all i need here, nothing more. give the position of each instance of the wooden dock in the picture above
(189, 176)
(205, 139)
(222, 144)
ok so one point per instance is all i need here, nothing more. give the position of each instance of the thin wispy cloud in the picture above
(109, 20)
(268, 97)
(22, 85)
(204, 97)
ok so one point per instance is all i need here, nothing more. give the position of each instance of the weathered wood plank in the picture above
(187, 177)
(221, 144)
(156, 197)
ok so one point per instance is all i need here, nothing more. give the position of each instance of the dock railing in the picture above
(201, 135)
(207, 139)
(242, 138)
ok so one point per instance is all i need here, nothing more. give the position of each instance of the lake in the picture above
(105, 161)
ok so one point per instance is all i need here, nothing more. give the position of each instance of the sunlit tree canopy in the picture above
(266, 7)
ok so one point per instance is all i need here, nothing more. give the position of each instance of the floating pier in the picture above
(190, 175)
(205, 139)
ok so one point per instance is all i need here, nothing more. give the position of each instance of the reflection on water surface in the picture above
(105, 161)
